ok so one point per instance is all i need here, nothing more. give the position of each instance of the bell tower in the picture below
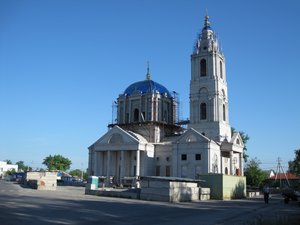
(208, 87)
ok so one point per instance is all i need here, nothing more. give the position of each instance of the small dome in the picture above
(206, 24)
(146, 86)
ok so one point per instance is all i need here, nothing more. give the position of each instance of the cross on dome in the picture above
(148, 77)
(206, 22)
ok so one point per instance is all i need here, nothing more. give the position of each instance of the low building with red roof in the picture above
(285, 179)
(282, 176)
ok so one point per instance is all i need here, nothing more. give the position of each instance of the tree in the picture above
(78, 173)
(254, 175)
(8, 161)
(10, 172)
(21, 166)
(245, 137)
(294, 166)
(57, 162)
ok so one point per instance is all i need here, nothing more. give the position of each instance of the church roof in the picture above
(146, 86)
(139, 137)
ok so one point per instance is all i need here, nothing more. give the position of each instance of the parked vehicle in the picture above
(290, 194)
(19, 176)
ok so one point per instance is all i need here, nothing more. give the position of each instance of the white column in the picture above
(231, 162)
(138, 168)
(129, 112)
(90, 162)
(241, 164)
(122, 170)
(95, 163)
(108, 168)
(102, 164)
(221, 163)
(99, 160)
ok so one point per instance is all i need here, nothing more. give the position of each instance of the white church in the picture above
(147, 139)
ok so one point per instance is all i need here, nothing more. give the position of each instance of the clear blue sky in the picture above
(63, 63)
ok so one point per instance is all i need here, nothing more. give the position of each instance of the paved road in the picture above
(69, 205)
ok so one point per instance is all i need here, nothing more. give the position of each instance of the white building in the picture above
(147, 140)
(4, 167)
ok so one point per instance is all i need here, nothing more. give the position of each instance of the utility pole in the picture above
(278, 169)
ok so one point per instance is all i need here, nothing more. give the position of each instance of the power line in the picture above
(278, 169)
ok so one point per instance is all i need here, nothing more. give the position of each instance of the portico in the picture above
(119, 154)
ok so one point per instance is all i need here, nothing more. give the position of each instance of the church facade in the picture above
(147, 139)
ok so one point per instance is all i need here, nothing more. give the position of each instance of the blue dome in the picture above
(146, 86)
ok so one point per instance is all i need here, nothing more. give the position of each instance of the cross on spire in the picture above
(148, 77)
(206, 21)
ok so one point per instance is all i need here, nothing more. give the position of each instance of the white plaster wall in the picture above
(215, 159)
(163, 158)
(191, 167)
(4, 167)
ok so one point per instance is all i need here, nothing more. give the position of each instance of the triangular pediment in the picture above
(237, 139)
(192, 136)
(118, 137)
(236, 144)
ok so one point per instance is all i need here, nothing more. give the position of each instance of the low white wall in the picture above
(225, 187)
(168, 189)
(42, 180)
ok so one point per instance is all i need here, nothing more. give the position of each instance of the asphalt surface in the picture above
(69, 205)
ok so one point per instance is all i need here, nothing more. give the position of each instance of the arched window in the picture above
(203, 92)
(221, 69)
(224, 113)
(136, 115)
(226, 170)
(203, 111)
(203, 68)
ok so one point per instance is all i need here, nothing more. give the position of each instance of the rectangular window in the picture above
(168, 171)
(157, 171)
(203, 113)
(198, 157)
(183, 157)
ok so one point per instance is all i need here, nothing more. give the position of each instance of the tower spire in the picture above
(148, 77)
(206, 20)
(209, 109)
